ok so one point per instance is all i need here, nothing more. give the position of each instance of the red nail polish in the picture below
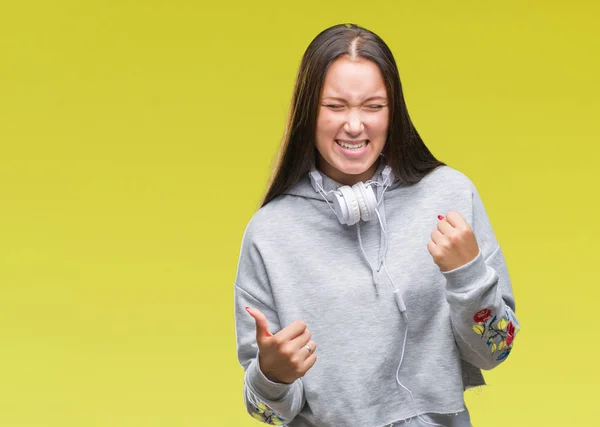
(440, 217)
(248, 310)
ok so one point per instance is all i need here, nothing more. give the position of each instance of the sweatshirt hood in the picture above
(304, 188)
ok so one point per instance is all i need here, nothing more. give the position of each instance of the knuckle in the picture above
(299, 324)
(287, 352)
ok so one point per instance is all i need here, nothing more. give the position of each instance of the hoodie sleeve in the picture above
(266, 401)
(482, 305)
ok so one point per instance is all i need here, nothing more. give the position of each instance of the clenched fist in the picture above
(287, 355)
(453, 244)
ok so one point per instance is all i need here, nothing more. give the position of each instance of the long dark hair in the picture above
(404, 150)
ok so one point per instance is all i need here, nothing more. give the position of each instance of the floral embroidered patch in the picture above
(499, 336)
(266, 415)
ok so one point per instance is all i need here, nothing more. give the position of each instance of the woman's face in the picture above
(352, 123)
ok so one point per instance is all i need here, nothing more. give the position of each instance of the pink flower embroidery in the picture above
(483, 315)
(510, 333)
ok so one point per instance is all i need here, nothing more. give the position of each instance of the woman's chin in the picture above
(344, 171)
(353, 173)
(355, 168)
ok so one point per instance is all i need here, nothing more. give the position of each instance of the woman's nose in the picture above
(354, 125)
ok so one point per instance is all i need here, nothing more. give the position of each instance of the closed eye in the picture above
(338, 107)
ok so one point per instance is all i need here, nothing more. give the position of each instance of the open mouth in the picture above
(353, 145)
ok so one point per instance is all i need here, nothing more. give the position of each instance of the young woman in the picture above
(370, 290)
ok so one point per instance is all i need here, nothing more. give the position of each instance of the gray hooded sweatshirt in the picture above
(298, 262)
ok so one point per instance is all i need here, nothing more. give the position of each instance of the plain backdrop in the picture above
(136, 140)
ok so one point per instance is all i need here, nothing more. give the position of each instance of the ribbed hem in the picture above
(262, 385)
(469, 276)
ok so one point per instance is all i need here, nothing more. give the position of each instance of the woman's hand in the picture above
(287, 355)
(453, 244)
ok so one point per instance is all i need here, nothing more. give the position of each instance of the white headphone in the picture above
(353, 203)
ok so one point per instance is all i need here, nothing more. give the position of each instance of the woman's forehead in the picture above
(354, 79)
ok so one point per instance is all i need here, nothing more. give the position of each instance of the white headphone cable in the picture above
(397, 296)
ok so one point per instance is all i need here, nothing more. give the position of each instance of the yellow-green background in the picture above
(136, 138)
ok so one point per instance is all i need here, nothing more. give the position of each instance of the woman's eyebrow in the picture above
(372, 98)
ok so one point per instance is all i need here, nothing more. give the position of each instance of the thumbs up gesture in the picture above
(453, 244)
(287, 355)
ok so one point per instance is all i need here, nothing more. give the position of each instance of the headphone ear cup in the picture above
(351, 203)
(340, 207)
(371, 200)
(358, 189)
(366, 201)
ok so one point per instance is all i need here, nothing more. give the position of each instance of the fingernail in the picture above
(248, 310)
(440, 217)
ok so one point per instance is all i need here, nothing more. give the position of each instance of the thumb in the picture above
(262, 327)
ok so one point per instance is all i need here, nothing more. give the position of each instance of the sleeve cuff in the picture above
(469, 276)
(262, 385)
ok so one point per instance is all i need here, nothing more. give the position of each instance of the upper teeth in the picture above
(352, 146)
